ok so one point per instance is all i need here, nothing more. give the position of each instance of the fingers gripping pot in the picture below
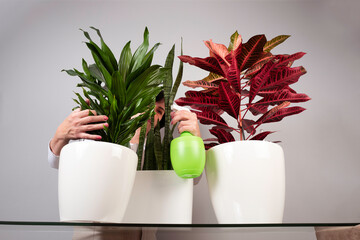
(187, 153)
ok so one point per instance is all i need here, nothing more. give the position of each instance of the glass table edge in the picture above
(197, 225)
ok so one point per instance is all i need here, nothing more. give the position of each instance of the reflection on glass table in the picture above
(20, 230)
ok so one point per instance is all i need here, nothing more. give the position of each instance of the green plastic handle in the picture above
(187, 154)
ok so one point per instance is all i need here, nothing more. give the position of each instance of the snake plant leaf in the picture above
(107, 50)
(158, 149)
(269, 45)
(140, 149)
(177, 79)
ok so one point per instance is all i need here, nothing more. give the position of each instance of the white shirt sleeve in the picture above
(52, 158)
(134, 146)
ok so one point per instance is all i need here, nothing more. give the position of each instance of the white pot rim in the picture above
(244, 142)
(87, 141)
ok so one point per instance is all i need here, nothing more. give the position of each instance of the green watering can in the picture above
(187, 153)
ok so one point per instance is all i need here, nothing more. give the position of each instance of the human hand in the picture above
(188, 122)
(76, 126)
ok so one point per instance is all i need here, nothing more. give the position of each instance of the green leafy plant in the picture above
(119, 89)
(157, 151)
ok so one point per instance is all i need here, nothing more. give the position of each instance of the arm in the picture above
(76, 126)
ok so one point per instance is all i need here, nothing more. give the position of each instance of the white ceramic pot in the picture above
(160, 197)
(95, 181)
(246, 181)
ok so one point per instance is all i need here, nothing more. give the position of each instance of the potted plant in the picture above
(96, 177)
(246, 178)
(156, 183)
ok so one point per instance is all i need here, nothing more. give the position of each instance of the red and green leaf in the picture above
(210, 145)
(251, 51)
(218, 51)
(209, 64)
(269, 114)
(222, 135)
(200, 83)
(233, 75)
(265, 58)
(281, 96)
(248, 125)
(261, 135)
(274, 42)
(283, 77)
(258, 109)
(284, 60)
(235, 41)
(259, 80)
(229, 100)
(209, 117)
(200, 102)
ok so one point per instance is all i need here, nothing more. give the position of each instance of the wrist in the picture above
(57, 143)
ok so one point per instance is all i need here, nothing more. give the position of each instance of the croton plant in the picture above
(244, 78)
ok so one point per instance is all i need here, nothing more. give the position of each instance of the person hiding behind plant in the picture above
(79, 125)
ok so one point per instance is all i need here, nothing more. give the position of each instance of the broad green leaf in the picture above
(148, 77)
(124, 60)
(118, 87)
(95, 72)
(85, 68)
(140, 52)
(107, 50)
(70, 72)
(103, 57)
(145, 65)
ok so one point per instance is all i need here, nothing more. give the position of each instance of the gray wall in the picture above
(322, 146)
